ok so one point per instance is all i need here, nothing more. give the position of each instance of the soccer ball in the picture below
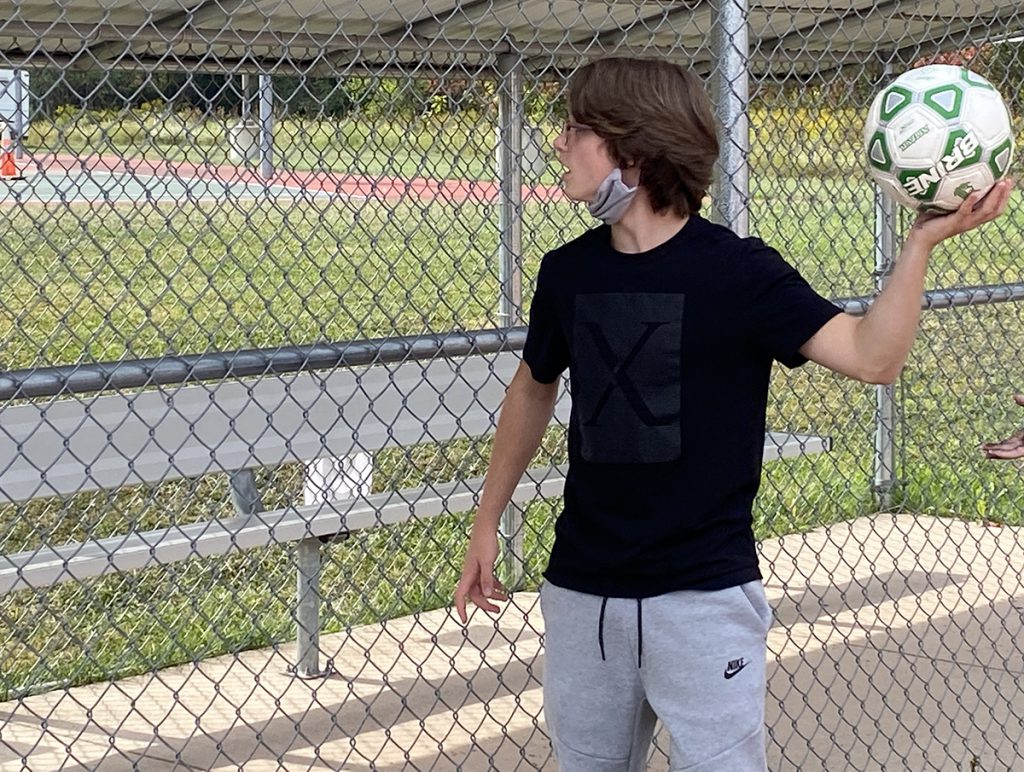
(937, 134)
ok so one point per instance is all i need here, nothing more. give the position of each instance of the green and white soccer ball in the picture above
(937, 134)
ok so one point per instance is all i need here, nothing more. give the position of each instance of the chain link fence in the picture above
(264, 270)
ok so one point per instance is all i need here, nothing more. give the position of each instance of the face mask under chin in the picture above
(612, 199)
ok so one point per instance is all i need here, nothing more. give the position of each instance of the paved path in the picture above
(897, 646)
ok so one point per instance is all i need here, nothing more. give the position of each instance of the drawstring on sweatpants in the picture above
(639, 631)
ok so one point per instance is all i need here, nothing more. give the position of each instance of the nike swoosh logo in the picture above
(729, 673)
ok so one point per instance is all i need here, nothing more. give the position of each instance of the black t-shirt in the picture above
(669, 354)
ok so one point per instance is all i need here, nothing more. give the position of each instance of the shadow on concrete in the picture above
(939, 694)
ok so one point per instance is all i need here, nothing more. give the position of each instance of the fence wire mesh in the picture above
(264, 273)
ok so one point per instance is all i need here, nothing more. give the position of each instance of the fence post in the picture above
(246, 107)
(20, 118)
(266, 126)
(731, 87)
(510, 267)
(886, 217)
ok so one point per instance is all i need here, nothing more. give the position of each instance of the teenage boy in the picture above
(653, 605)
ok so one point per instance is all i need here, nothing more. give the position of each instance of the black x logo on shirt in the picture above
(619, 376)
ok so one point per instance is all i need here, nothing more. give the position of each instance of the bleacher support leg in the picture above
(307, 610)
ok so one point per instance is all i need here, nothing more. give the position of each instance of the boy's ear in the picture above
(631, 174)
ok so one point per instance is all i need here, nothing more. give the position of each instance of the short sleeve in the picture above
(546, 352)
(783, 311)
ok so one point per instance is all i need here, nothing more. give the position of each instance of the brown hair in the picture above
(655, 114)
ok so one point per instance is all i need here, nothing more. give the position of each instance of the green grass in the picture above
(133, 282)
(114, 282)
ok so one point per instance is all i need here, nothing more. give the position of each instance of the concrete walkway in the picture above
(897, 646)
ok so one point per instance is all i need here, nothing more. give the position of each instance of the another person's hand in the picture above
(1012, 446)
(974, 211)
(478, 582)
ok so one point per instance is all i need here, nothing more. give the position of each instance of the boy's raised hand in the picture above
(976, 210)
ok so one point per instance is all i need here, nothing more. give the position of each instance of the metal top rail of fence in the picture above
(113, 376)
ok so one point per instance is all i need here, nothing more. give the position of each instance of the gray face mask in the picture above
(613, 198)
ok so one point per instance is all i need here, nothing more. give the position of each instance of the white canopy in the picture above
(786, 37)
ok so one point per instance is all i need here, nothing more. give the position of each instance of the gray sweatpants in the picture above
(693, 659)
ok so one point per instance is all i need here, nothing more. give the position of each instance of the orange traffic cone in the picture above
(8, 166)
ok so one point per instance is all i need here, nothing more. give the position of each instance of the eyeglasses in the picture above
(572, 126)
